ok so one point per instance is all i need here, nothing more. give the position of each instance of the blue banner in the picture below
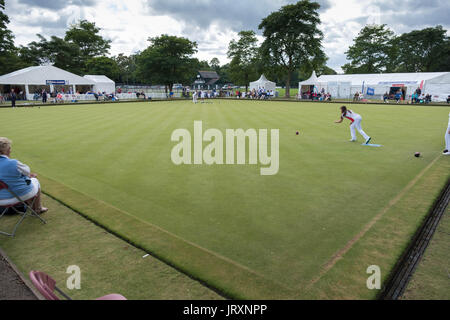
(56, 82)
(370, 91)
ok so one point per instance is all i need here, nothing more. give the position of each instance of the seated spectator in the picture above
(59, 98)
(448, 99)
(386, 98)
(19, 179)
(422, 99)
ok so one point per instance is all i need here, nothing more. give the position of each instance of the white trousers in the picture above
(447, 139)
(33, 193)
(357, 125)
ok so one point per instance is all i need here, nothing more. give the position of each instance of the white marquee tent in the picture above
(102, 84)
(345, 86)
(35, 79)
(263, 83)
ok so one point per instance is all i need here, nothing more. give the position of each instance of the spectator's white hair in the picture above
(5, 145)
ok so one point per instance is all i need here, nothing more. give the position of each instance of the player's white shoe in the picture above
(446, 153)
(353, 140)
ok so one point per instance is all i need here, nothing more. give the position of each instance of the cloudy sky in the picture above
(129, 23)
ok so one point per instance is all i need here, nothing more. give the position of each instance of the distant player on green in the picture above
(195, 97)
(447, 139)
(356, 120)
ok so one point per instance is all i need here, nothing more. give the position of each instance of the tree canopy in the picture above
(9, 61)
(373, 51)
(292, 38)
(243, 54)
(167, 60)
(86, 36)
(103, 66)
(426, 50)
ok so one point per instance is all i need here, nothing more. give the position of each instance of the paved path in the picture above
(11, 286)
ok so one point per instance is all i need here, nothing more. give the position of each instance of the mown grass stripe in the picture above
(234, 280)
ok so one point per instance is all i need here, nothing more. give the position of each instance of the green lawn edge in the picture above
(431, 280)
(347, 279)
(232, 280)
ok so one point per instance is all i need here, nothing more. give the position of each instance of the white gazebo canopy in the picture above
(313, 81)
(102, 83)
(263, 83)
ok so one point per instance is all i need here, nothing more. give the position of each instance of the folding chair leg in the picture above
(34, 213)
(23, 216)
(2, 232)
(37, 216)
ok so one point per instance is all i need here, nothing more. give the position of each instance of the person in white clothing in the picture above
(447, 139)
(356, 120)
(195, 97)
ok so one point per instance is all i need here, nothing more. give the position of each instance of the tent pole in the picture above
(27, 92)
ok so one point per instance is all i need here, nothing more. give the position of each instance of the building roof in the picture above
(41, 74)
(382, 78)
(209, 75)
(99, 79)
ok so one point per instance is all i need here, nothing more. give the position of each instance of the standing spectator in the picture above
(13, 98)
(44, 96)
(398, 96)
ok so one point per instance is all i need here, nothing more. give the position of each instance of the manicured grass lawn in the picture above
(248, 235)
(107, 264)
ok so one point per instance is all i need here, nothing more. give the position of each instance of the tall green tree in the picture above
(56, 51)
(292, 38)
(103, 66)
(243, 54)
(6, 35)
(9, 60)
(424, 50)
(127, 68)
(215, 64)
(168, 60)
(86, 36)
(373, 51)
(82, 43)
(224, 74)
